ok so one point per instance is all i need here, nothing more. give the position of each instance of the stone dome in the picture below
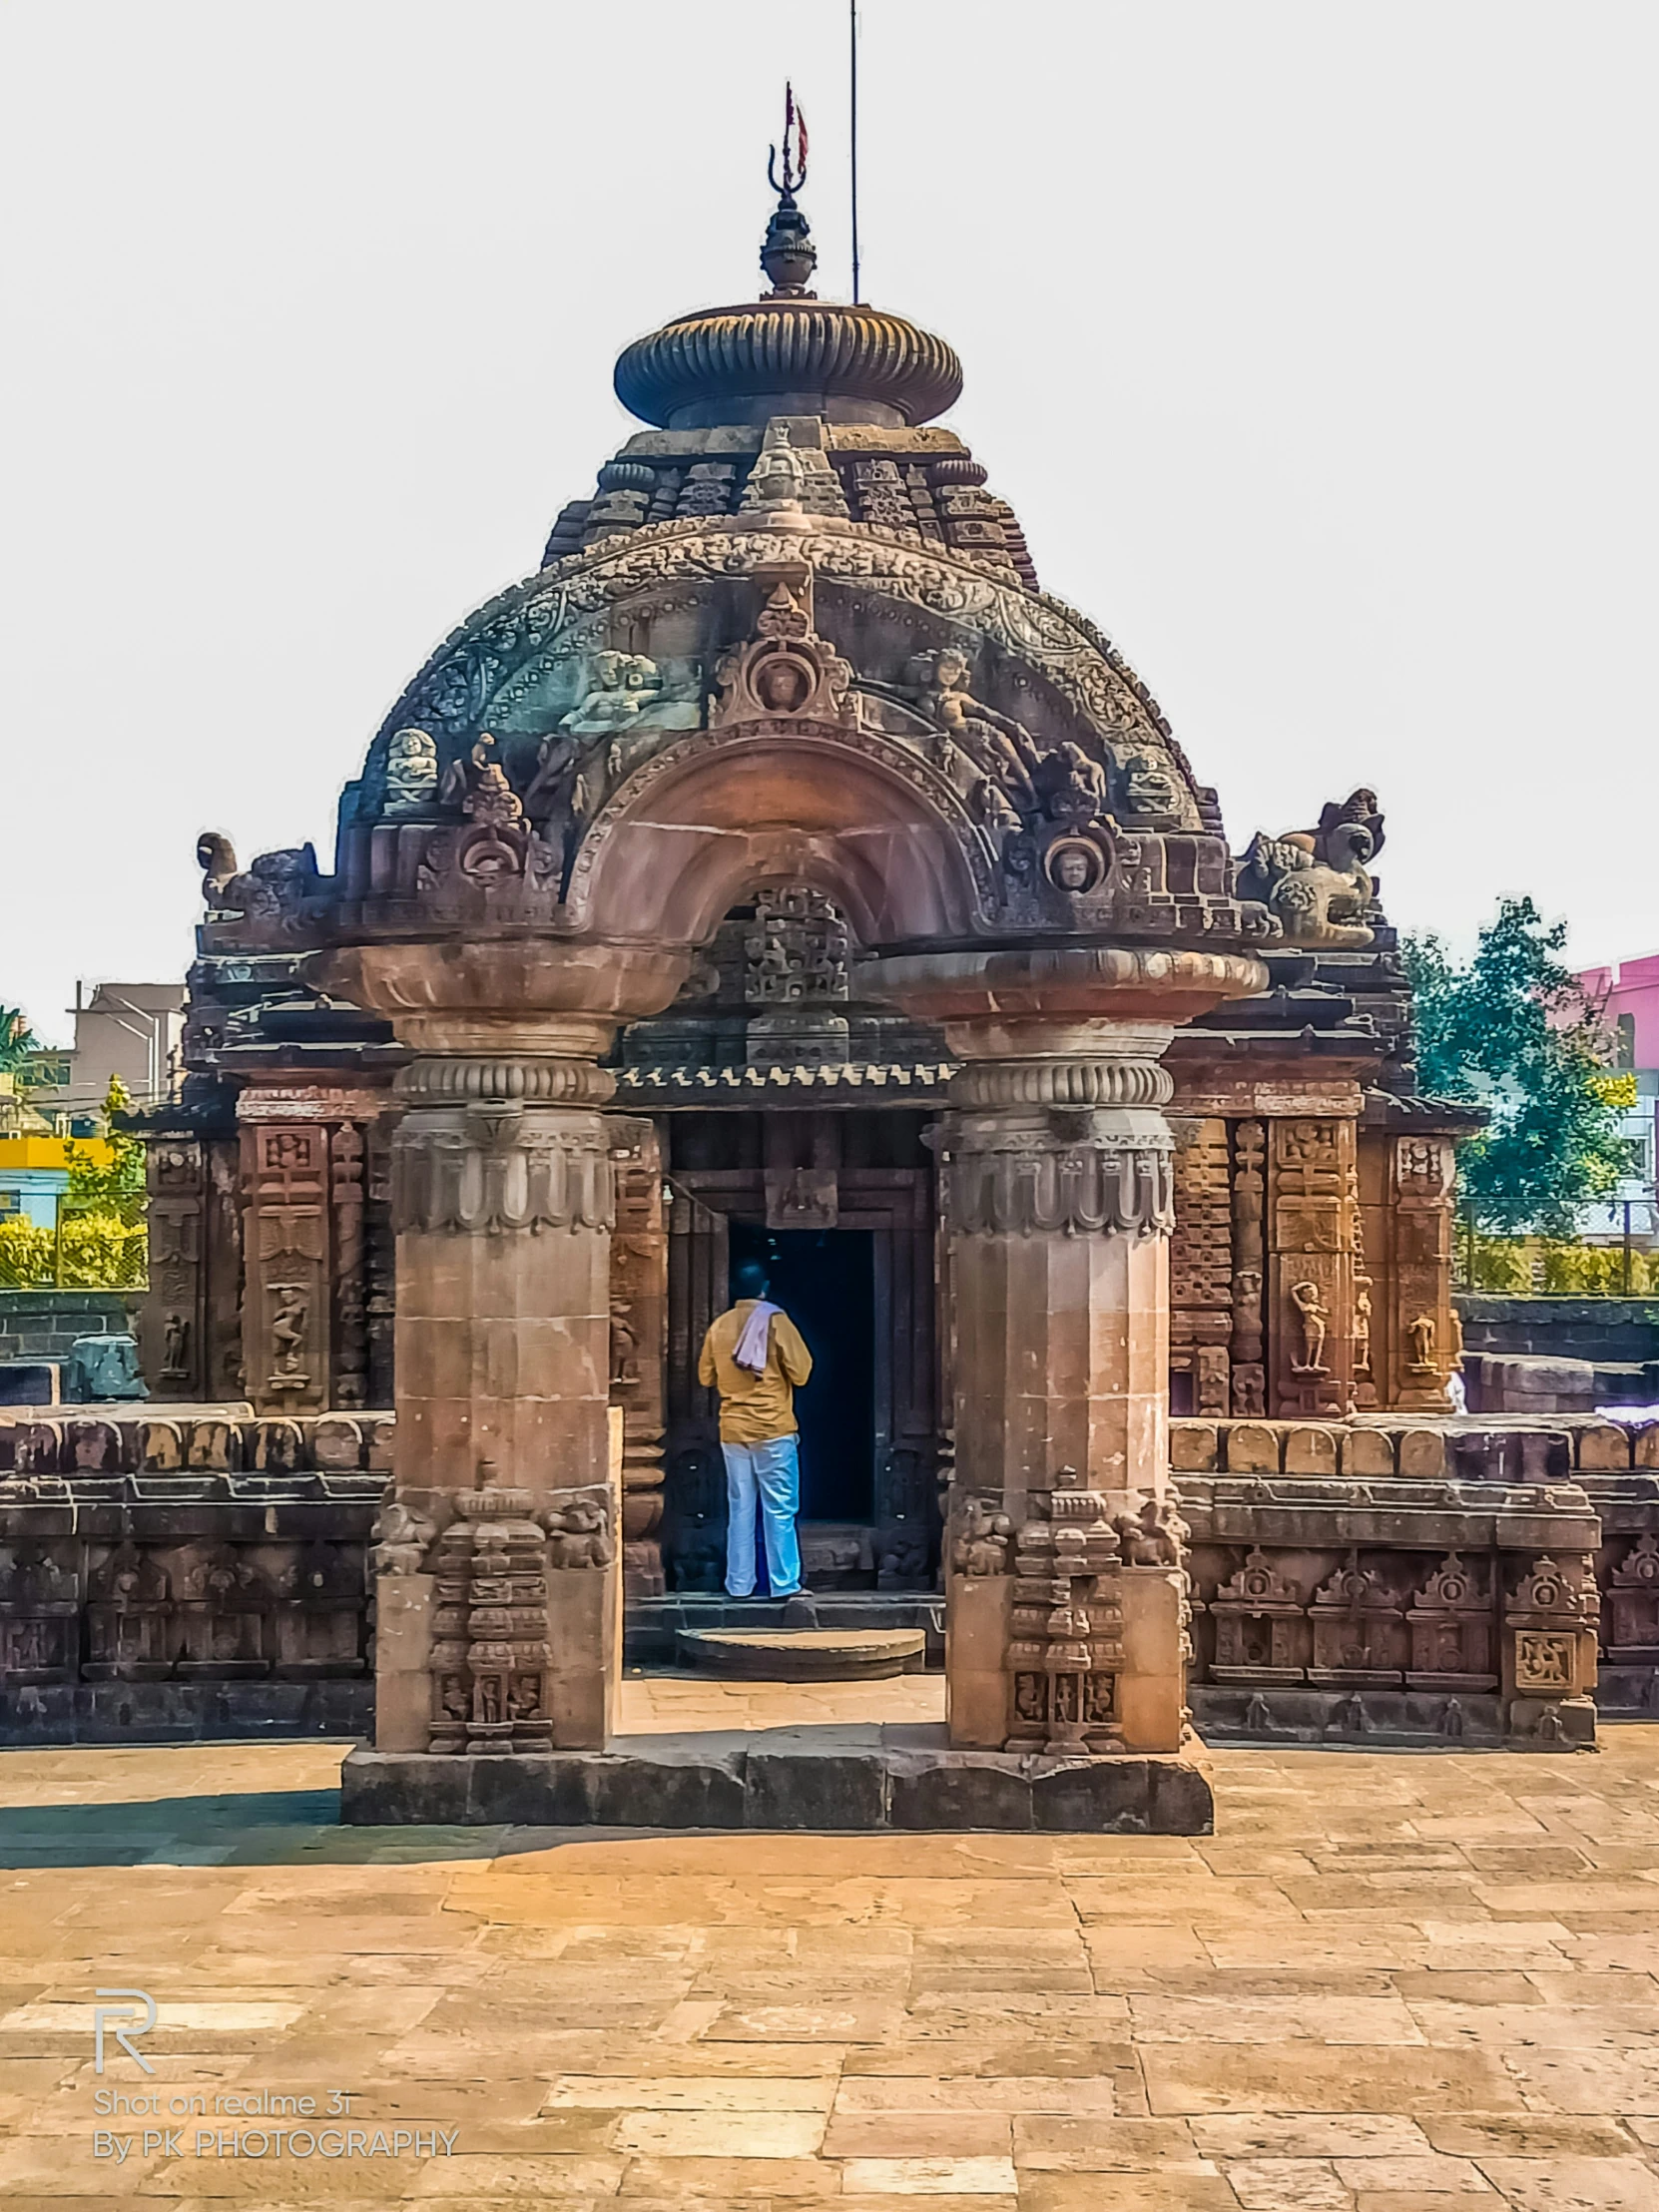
(788, 355)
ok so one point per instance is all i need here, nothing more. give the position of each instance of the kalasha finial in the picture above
(789, 256)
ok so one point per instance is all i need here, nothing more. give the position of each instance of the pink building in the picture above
(1627, 995)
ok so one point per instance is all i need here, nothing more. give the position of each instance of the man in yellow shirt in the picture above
(753, 1355)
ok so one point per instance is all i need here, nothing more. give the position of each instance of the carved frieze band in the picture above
(498, 1167)
(1069, 1189)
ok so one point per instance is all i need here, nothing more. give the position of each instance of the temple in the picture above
(779, 868)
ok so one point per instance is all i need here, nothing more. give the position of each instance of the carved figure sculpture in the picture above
(1071, 787)
(411, 772)
(1005, 749)
(1150, 795)
(176, 1346)
(1154, 1537)
(287, 1326)
(1362, 1330)
(216, 858)
(1316, 882)
(990, 803)
(621, 687)
(1075, 867)
(1315, 1321)
(625, 1344)
(579, 1534)
(983, 1537)
(1421, 1332)
(400, 1540)
(271, 888)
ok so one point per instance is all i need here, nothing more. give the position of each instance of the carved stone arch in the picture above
(858, 817)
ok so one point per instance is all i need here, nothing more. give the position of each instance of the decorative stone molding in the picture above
(498, 1167)
(1027, 1188)
(542, 1082)
(1066, 1625)
(985, 1085)
(489, 1654)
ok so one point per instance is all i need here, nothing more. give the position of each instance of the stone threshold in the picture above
(846, 1779)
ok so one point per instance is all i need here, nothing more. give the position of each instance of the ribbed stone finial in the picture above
(787, 255)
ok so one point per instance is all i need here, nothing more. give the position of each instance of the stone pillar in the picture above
(173, 1321)
(286, 1293)
(1423, 1340)
(1059, 1200)
(638, 1341)
(1314, 1232)
(1060, 1203)
(1065, 1594)
(503, 1203)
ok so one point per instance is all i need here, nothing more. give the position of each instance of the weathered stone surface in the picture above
(796, 1785)
(783, 1782)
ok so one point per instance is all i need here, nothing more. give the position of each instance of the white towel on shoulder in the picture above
(755, 1338)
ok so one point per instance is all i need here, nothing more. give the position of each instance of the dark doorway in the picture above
(824, 1280)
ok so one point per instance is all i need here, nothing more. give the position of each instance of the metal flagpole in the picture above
(852, 60)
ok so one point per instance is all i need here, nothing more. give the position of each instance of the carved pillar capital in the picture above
(1056, 1145)
(496, 1146)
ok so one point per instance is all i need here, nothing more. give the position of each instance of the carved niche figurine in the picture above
(1150, 795)
(1154, 1537)
(793, 474)
(1315, 1319)
(625, 1345)
(411, 772)
(579, 1534)
(1362, 1329)
(1075, 865)
(287, 1328)
(784, 670)
(176, 1349)
(400, 1540)
(1071, 787)
(1421, 1334)
(983, 1537)
(1316, 881)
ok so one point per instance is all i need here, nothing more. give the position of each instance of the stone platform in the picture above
(653, 1624)
(804, 1654)
(854, 1778)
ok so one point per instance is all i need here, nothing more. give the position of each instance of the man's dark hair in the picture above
(749, 1278)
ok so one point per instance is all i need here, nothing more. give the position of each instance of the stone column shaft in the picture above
(502, 1202)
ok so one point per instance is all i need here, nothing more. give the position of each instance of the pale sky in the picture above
(1314, 342)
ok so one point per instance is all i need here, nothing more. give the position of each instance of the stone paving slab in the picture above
(1390, 1982)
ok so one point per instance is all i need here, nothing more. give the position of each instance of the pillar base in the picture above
(829, 1779)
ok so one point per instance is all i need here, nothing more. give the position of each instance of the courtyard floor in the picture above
(1389, 1983)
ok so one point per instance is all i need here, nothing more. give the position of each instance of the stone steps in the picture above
(803, 1654)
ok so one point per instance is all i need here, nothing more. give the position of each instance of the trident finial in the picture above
(789, 256)
(794, 151)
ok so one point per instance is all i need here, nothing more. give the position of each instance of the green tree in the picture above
(17, 1041)
(1511, 1030)
(116, 1191)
